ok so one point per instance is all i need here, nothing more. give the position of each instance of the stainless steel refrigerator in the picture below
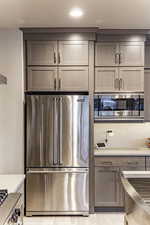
(57, 154)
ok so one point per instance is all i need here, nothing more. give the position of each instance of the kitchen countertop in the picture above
(11, 182)
(136, 174)
(122, 152)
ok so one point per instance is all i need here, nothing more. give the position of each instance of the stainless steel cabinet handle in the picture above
(117, 58)
(59, 58)
(55, 83)
(120, 59)
(121, 84)
(59, 83)
(116, 83)
(54, 58)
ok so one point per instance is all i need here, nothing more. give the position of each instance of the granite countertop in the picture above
(136, 174)
(123, 152)
(11, 182)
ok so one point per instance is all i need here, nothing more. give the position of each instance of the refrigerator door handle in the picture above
(41, 135)
(60, 131)
(55, 132)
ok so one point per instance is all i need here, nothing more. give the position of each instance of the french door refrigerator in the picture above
(57, 155)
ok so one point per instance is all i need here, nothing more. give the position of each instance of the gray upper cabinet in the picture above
(119, 79)
(106, 79)
(41, 53)
(73, 78)
(147, 55)
(73, 53)
(42, 78)
(131, 53)
(119, 54)
(147, 95)
(131, 79)
(106, 54)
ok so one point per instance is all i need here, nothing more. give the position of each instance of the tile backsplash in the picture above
(126, 135)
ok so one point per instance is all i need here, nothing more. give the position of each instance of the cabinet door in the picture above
(131, 79)
(41, 53)
(73, 78)
(42, 78)
(106, 79)
(131, 54)
(147, 55)
(106, 54)
(147, 95)
(107, 192)
(73, 53)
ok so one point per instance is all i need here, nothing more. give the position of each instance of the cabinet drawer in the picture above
(120, 161)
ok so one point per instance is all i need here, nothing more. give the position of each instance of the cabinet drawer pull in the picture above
(107, 163)
(132, 163)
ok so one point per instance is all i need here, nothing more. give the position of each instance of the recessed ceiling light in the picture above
(76, 12)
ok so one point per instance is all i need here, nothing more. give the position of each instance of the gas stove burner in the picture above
(3, 195)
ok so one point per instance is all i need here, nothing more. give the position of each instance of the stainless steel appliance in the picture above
(11, 209)
(125, 106)
(57, 156)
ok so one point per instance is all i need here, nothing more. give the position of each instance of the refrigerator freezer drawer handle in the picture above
(44, 172)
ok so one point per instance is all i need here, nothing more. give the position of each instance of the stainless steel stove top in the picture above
(11, 208)
(3, 195)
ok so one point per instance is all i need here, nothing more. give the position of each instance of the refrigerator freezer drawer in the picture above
(57, 191)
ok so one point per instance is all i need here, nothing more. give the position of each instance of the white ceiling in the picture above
(114, 14)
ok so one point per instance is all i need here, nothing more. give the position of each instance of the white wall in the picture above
(126, 135)
(11, 102)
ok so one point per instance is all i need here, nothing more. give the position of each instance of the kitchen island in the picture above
(137, 197)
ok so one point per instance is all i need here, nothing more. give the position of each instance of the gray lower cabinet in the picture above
(109, 192)
(107, 187)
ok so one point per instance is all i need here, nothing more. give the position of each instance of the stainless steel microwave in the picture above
(126, 106)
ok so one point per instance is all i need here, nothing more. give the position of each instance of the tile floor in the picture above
(95, 219)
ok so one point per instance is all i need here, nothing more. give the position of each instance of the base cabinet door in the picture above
(42, 78)
(73, 78)
(107, 188)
